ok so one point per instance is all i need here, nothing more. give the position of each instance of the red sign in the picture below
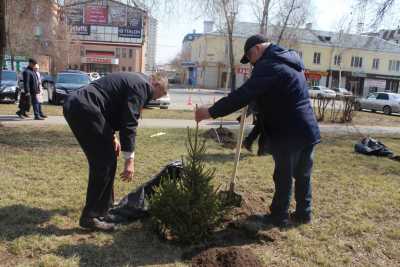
(244, 71)
(100, 60)
(96, 15)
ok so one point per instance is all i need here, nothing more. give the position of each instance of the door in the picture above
(369, 102)
(381, 101)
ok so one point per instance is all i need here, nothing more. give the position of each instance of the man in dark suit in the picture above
(94, 113)
(279, 87)
(30, 91)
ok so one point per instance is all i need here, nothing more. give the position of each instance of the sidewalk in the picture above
(10, 120)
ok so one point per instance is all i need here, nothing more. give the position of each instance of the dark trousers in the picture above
(288, 165)
(95, 136)
(24, 103)
(36, 106)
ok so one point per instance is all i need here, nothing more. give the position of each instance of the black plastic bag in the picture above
(133, 206)
(369, 146)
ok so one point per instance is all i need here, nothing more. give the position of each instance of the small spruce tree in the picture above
(188, 207)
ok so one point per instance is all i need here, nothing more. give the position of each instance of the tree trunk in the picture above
(286, 21)
(232, 77)
(2, 33)
(264, 18)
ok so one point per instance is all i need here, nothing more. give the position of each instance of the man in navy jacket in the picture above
(94, 113)
(279, 88)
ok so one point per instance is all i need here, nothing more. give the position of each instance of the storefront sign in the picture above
(126, 32)
(315, 75)
(100, 60)
(359, 74)
(96, 15)
(80, 29)
(375, 83)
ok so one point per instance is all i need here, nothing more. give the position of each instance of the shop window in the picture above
(123, 69)
(124, 52)
(375, 63)
(130, 53)
(356, 62)
(118, 52)
(317, 58)
(337, 60)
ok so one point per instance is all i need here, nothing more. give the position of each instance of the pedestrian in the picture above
(39, 96)
(279, 87)
(94, 113)
(25, 96)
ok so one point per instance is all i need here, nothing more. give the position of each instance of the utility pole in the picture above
(2, 33)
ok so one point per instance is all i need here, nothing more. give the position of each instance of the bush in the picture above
(188, 208)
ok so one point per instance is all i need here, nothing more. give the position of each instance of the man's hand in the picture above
(202, 113)
(129, 170)
(117, 146)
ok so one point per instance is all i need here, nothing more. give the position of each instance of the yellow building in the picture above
(359, 63)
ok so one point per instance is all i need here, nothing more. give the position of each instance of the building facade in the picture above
(359, 63)
(108, 36)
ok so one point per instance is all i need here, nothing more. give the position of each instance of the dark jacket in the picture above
(31, 81)
(279, 87)
(119, 97)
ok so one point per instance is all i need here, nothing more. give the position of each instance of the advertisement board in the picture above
(80, 29)
(96, 15)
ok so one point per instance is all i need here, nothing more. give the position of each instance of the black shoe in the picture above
(39, 118)
(43, 116)
(300, 218)
(96, 224)
(19, 114)
(278, 221)
(26, 115)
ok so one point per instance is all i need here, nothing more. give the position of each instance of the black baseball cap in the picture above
(250, 42)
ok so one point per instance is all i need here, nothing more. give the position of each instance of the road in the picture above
(11, 120)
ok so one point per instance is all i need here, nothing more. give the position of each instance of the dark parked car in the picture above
(9, 88)
(65, 83)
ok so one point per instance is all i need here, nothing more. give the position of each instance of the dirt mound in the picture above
(226, 257)
(221, 135)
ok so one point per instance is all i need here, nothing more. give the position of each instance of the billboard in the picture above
(96, 15)
(134, 25)
(129, 32)
(117, 16)
(75, 15)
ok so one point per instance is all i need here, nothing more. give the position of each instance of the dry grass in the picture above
(43, 183)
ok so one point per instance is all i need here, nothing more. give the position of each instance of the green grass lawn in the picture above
(43, 182)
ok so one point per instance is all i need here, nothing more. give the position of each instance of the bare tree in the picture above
(292, 14)
(383, 8)
(261, 9)
(2, 33)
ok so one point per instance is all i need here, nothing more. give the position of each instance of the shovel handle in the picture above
(238, 149)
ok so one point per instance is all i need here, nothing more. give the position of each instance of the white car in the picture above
(321, 91)
(162, 103)
(386, 102)
(342, 92)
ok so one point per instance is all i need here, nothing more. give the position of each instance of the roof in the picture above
(316, 37)
(191, 37)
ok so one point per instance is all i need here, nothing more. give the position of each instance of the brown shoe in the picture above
(96, 224)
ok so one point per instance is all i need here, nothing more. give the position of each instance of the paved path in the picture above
(10, 120)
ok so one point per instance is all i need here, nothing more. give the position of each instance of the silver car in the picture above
(321, 91)
(387, 102)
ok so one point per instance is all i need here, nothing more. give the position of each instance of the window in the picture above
(130, 53)
(123, 69)
(375, 63)
(118, 52)
(124, 52)
(337, 60)
(356, 62)
(300, 54)
(394, 65)
(317, 58)
(129, 68)
(371, 96)
(82, 51)
(383, 97)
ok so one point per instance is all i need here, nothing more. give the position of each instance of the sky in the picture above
(325, 16)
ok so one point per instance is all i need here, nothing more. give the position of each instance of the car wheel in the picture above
(373, 110)
(387, 110)
(357, 106)
(54, 99)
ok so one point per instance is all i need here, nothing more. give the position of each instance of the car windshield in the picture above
(8, 76)
(73, 78)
